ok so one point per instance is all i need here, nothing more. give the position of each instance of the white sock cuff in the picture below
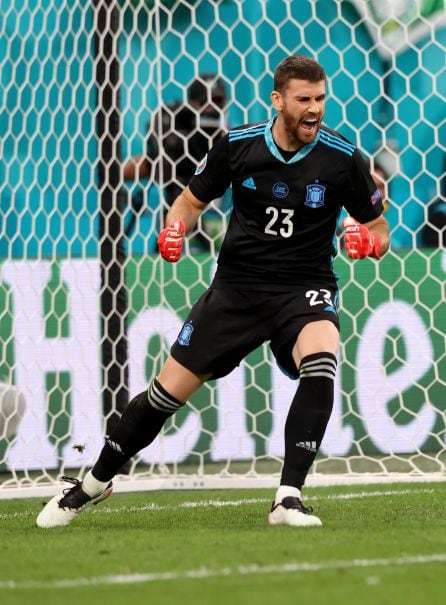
(285, 491)
(92, 486)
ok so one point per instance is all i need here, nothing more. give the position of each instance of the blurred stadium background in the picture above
(87, 308)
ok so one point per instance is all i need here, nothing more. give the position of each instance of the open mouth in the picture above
(309, 125)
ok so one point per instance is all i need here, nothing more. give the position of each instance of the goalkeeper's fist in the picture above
(170, 241)
(359, 241)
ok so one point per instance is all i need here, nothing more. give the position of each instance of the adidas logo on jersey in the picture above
(249, 183)
(307, 445)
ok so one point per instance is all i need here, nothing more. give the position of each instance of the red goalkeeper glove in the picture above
(170, 241)
(359, 241)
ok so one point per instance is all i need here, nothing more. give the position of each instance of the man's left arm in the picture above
(367, 239)
(380, 227)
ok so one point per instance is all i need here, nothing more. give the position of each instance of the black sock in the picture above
(308, 416)
(139, 425)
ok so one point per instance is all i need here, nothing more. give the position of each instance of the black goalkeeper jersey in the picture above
(282, 228)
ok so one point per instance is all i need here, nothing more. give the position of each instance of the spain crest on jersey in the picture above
(315, 195)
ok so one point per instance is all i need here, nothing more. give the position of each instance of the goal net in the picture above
(385, 63)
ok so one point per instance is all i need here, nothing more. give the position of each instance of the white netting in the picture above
(387, 93)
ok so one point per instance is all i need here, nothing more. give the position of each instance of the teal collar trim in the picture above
(299, 155)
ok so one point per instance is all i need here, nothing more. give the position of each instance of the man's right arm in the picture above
(182, 216)
(211, 179)
(187, 207)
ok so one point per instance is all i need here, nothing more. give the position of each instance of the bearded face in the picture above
(301, 108)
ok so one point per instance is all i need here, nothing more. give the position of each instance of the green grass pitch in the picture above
(380, 545)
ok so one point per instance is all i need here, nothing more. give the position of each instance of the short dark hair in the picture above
(299, 67)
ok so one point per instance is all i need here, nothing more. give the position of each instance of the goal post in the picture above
(385, 68)
(111, 240)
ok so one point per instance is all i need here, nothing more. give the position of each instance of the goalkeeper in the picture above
(290, 176)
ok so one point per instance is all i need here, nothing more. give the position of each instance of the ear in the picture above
(277, 101)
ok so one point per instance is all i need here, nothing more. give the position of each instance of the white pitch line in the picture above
(245, 501)
(204, 572)
(151, 506)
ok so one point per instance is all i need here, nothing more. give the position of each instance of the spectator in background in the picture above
(433, 234)
(179, 136)
(380, 177)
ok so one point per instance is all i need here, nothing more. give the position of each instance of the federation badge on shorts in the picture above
(315, 196)
(185, 334)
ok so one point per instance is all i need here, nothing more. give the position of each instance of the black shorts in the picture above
(224, 326)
